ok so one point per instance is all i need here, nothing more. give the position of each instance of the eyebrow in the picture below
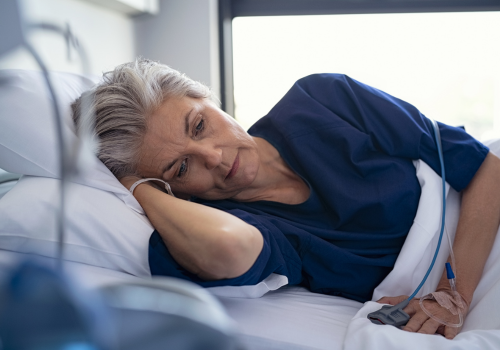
(186, 132)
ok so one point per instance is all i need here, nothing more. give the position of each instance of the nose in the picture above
(210, 154)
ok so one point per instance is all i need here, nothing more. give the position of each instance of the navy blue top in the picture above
(353, 145)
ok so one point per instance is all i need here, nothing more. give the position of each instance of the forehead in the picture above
(172, 112)
(166, 132)
(172, 118)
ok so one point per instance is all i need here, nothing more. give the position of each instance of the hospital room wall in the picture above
(183, 35)
(106, 35)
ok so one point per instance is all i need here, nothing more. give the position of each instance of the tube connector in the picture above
(449, 272)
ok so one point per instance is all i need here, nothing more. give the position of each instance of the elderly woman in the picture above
(321, 190)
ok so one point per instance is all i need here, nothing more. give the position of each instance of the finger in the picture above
(440, 330)
(450, 332)
(392, 300)
(416, 322)
(413, 307)
(429, 327)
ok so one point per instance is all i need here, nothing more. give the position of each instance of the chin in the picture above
(247, 176)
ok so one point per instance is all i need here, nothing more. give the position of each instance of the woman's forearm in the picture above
(477, 227)
(205, 241)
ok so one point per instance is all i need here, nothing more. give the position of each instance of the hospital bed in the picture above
(107, 239)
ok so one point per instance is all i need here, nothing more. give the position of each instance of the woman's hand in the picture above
(421, 323)
(476, 232)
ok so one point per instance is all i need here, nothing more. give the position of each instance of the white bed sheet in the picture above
(291, 318)
(481, 328)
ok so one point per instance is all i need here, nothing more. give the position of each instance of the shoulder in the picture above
(323, 76)
(333, 85)
(336, 79)
(303, 109)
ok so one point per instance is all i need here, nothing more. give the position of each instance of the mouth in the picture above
(234, 168)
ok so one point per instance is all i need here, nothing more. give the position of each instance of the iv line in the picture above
(451, 277)
(437, 136)
(394, 315)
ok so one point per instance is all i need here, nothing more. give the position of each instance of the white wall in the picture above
(107, 35)
(184, 35)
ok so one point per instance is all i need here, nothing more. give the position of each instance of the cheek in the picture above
(238, 133)
(249, 171)
(196, 186)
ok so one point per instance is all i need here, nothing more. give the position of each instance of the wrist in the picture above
(145, 188)
(141, 181)
(448, 290)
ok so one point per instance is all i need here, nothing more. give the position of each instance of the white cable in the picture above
(137, 183)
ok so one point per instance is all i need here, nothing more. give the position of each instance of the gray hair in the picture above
(122, 103)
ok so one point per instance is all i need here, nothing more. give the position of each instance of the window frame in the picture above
(229, 9)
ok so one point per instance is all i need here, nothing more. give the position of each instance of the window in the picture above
(446, 64)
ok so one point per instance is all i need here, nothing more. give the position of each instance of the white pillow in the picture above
(101, 229)
(28, 141)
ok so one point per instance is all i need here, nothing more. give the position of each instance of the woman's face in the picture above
(198, 149)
